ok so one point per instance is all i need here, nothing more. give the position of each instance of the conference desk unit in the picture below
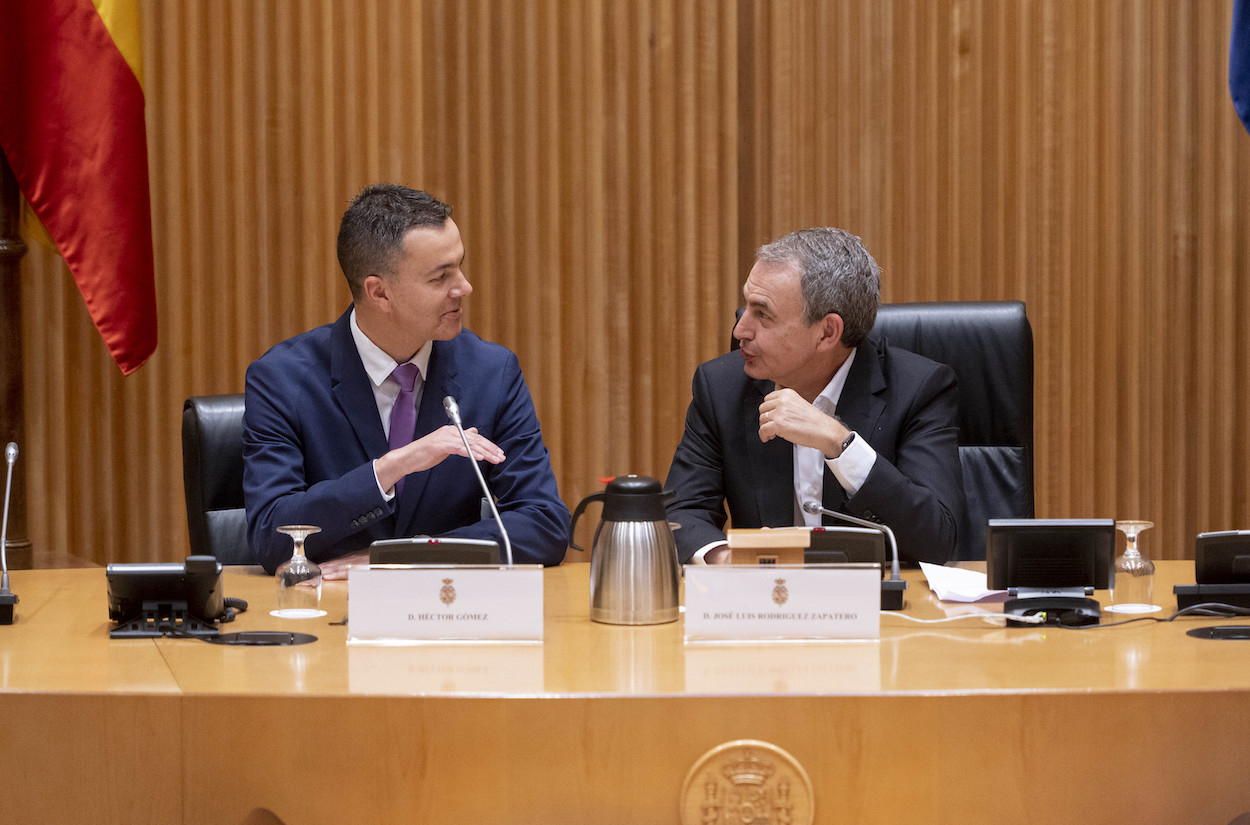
(958, 723)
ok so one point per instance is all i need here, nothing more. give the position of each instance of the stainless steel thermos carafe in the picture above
(633, 560)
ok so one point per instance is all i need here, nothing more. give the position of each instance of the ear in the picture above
(377, 292)
(831, 328)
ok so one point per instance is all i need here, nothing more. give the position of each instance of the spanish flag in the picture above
(71, 126)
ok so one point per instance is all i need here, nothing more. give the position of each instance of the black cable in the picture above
(1062, 623)
(233, 608)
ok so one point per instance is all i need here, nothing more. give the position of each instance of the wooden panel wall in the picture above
(614, 164)
(1080, 156)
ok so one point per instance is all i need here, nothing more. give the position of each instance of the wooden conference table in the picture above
(956, 723)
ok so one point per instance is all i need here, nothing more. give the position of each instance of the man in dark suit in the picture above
(810, 408)
(340, 432)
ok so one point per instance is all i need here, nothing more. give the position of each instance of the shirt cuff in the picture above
(851, 469)
(385, 495)
(700, 556)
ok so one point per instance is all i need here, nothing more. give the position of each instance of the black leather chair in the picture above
(212, 474)
(990, 346)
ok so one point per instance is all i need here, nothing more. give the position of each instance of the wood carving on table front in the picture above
(747, 781)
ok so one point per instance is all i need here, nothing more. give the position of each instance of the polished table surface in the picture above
(599, 723)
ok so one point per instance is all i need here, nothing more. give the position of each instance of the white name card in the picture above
(742, 603)
(395, 604)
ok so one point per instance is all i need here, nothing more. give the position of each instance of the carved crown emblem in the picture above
(747, 782)
(748, 770)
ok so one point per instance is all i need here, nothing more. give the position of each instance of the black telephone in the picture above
(168, 599)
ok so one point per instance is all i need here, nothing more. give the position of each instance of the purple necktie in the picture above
(404, 413)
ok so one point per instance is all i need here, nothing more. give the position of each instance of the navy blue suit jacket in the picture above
(311, 431)
(902, 403)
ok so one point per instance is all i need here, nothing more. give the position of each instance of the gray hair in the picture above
(836, 275)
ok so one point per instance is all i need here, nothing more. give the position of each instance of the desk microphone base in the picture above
(892, 594)
(8, 602)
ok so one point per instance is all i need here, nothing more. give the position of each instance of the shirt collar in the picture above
(377, 363)
(828, 399)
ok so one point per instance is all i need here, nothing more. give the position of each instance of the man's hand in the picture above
(430, 450)
(336, 569)
(787, 415)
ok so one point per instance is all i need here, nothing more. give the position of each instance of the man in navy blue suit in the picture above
(318, 445)
(812, 409)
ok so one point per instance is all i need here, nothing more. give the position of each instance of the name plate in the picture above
(396, 604)
(726, 603)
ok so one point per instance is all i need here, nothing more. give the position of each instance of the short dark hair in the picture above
(836, 275)
(371, 234)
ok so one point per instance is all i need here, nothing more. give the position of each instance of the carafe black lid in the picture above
(634, 498)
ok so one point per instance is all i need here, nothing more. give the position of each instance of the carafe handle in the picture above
(577, 513)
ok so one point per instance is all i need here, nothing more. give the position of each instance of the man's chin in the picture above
(448, 331)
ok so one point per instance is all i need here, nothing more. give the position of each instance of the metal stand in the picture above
(1060, 606)
(12, 408)
(164, 619)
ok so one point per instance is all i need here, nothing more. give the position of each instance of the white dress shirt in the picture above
(379, 366)
(851, 468)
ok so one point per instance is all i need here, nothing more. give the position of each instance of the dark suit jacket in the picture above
(311, 430)
(902, 403)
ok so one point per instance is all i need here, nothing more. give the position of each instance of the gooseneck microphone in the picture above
(453, 412)
(895, 583)
(815, 509)
(8, 599)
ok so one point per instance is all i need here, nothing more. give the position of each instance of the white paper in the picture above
(955, 584)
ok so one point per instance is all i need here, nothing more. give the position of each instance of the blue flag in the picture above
(1239, 61)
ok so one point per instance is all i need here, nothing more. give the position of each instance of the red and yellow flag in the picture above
(71, 126)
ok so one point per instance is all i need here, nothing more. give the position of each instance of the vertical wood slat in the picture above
(613, 165)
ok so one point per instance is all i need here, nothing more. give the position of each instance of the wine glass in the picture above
(1133, 587)
(299, 578)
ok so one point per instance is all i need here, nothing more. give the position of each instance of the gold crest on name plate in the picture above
(781, 594)
(747, 781)
(447, 594)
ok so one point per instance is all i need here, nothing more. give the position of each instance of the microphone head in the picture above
(811, 506)
(10, 452)
(452, 408)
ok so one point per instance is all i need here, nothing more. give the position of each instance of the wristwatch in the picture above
(847, 443)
